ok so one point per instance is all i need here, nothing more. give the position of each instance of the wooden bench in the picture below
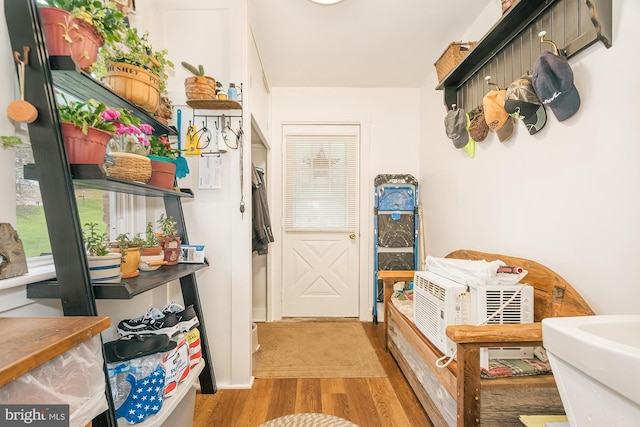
(457, 395)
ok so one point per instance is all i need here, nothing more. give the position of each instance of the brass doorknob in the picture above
(352, 236)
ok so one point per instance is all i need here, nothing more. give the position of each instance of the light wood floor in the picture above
(368, 402)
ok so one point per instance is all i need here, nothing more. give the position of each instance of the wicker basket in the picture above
(130, 167)
(452, 56)
(134, 83)
(201, 87)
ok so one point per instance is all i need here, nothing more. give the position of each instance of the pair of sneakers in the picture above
(171, 320)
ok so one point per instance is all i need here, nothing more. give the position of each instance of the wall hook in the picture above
(489, 82)
(541, 34)
(453, 106)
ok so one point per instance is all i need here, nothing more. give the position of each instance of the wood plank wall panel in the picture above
(567, 23)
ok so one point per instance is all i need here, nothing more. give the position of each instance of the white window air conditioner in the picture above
(440, 302)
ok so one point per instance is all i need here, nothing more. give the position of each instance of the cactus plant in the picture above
(195, 71)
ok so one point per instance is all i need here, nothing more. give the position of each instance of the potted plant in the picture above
(78, 28)
(129, 250)
(135, 71)
(163, 162)
(104, 265)
(151, 253)
(129, 148)
(170, 240)
(88, 126)
(199, 86)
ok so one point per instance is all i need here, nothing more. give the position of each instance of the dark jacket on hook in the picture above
(262, 234)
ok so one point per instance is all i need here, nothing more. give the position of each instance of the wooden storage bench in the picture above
(457, 395)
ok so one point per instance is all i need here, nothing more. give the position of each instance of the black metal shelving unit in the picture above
(58, 179)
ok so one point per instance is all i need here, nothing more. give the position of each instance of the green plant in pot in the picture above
(104, 265)
(198, 86)
(163, 162)
(78, 28)
(151, 253)
(170, 240)
(134, 56)
(88, 127)
(129, 250)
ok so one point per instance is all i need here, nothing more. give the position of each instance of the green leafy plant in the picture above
(105, 17)
(150, 238)
(11, 141)
(92, 113)
(199, 71)
(167, 225)
(125, 241)
(135, 49)
(160, 146)
(95, 242)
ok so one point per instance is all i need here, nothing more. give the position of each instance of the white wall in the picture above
(390, 143)
(565, 197)
(216, 34)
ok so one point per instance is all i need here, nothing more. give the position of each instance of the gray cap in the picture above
(455, 124)
(522, 103)
(553, 83)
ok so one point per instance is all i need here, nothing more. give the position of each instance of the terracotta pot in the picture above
(151, 251)
(85, 149)
(171, 247)
(163, 172)
(66, 35)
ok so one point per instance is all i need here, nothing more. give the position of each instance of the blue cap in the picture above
(553, 83)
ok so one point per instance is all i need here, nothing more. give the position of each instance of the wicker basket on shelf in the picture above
(130, 167)
(200, 87)
(135, 84)
(452, 56)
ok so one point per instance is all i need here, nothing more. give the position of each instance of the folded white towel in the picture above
(472, 273)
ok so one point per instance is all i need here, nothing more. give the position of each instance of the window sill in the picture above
(40, 268)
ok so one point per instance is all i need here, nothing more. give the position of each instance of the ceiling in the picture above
(356, 43)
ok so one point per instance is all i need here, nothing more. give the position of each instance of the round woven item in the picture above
(130, 167)
(136, 84)
(200, 87)
(308, 420)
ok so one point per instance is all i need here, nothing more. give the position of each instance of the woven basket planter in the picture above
(66, 35)
(134, 83)
(200, 87)
(451, 57)
(130, 167)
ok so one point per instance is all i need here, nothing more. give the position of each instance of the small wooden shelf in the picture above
(29, 342)
(126, 289)
(214, 104)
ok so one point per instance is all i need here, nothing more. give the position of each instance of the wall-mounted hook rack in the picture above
(489, 82)
(543, 33)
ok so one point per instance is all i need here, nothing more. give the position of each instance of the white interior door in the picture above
(321, 236)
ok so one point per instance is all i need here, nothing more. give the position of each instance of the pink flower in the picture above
(110, 115)
(147, 129)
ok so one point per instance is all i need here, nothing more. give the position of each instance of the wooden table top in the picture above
(28, 342)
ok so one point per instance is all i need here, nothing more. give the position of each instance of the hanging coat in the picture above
(262, 234)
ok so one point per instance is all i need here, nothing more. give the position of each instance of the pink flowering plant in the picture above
(131, 137)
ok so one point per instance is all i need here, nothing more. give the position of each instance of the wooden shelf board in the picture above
(214, 104)
(126, 289)
(29, 342)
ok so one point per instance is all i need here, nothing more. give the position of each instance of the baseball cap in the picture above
(455, 124)
(478, 129)
(496, 117)
(521, 102)
(553, 83)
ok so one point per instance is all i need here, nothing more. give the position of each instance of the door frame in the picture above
(365, 220)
